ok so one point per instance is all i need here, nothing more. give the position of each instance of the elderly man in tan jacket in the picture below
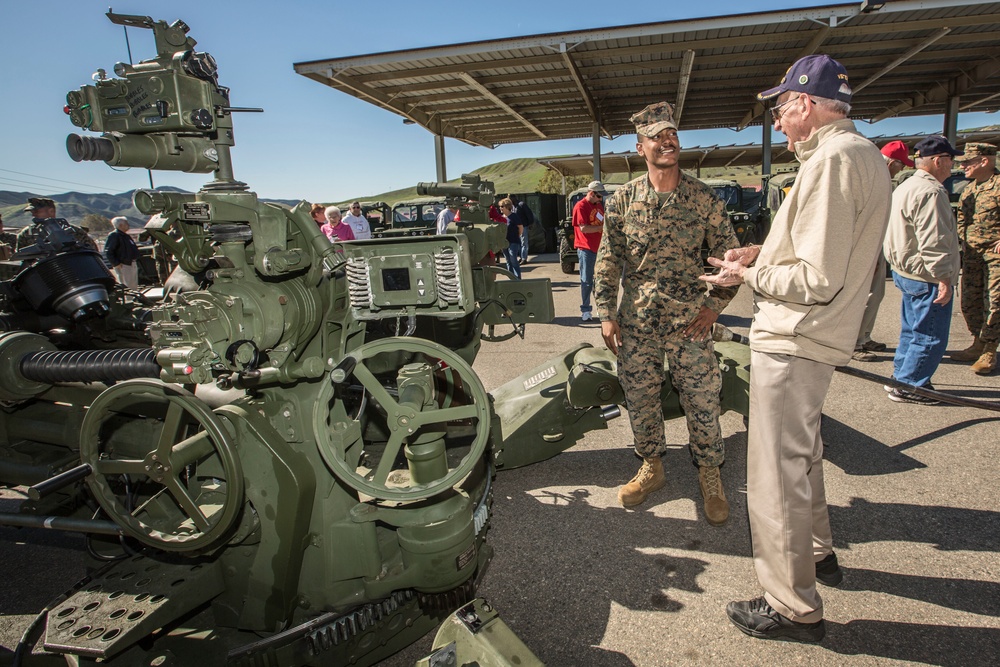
(810, 280)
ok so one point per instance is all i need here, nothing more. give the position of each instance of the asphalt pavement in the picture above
(913, 498)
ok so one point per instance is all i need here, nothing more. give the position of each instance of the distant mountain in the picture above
(75, 206)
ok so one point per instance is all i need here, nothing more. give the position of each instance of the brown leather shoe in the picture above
(648, 479)
(716, 507)
(970, 353)
(986, 363)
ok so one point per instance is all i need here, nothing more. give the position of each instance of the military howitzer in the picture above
(300, 463)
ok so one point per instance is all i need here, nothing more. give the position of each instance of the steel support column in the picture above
(597, 151)
(765, 145)
(950, 130)
(439, 161)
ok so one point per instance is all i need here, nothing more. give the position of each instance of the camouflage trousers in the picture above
(694, 376)
(981, 294)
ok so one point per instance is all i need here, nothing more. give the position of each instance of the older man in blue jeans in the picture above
(921, 245)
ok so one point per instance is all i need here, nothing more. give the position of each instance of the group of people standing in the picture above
(338, 227)
(811, 280)
(928, 248)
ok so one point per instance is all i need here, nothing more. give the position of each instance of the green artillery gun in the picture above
(299, 465)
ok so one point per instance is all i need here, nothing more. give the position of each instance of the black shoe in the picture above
(873, 346)
(757, 619)
(860, 354)
(902, 396)
(828, 571)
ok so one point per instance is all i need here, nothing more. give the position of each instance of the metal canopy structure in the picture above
(704, 157)
(905, 58)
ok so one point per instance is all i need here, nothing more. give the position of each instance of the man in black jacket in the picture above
(122, 253)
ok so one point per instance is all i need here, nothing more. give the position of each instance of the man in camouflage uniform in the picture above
(41, 209)
(979, 228)
(7, 241)
(654, 230)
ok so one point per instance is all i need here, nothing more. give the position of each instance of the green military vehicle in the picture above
(419, 212)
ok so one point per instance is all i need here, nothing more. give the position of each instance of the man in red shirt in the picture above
(588, 223)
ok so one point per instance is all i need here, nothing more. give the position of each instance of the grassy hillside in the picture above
(520, 175)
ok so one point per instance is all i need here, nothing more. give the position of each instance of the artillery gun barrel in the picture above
(446, 190)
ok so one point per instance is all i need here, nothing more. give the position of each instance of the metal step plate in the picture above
(126, 602)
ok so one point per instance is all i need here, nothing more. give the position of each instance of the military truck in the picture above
(377, 213)
(418, 212)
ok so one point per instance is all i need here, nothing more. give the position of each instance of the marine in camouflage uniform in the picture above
(43, 208)
(652, 243)
(979, 228)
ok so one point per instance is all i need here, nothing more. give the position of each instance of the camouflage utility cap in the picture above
(654, 119)
(977, 150)
(39, 202)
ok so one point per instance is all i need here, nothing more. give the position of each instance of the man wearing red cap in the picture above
(896, 158)
(810, 282)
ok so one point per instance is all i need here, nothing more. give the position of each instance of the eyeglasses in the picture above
(599, 196)
(355, 208)
(776, 111)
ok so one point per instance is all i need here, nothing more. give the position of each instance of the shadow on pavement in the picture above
(946, 528)
(975, 597)
(944, 645)
(858, 454)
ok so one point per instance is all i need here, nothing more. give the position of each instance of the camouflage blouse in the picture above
(979, 213)
(655, 250)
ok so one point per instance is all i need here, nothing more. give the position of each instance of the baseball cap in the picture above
(818, 75)
(896, 150)
(654, 119)
(598, 187)
(935, 145)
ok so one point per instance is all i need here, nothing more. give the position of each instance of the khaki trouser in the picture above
(786, 499)
(128, 274)
(875, 297)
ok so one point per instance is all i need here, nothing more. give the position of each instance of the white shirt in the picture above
(359, 225)
(445, 218)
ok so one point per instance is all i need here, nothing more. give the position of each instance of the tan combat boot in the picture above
(987, 362)
(716, 507)
(648, 479)
(970, 353)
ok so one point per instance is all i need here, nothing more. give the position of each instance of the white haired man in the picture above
(122, 253)
(810, 282)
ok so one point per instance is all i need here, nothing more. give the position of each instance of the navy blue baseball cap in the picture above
(935, 145)
(820, 75)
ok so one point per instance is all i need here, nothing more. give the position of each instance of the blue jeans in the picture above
(923, 335)
(524, 242)
(587, 259)
(512, 252)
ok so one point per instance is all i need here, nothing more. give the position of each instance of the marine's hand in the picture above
(730, 274)
(700, 328)
(612, 335)
(996, 248)
(745, 256)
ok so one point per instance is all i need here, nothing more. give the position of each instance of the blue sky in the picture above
(311, 142)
